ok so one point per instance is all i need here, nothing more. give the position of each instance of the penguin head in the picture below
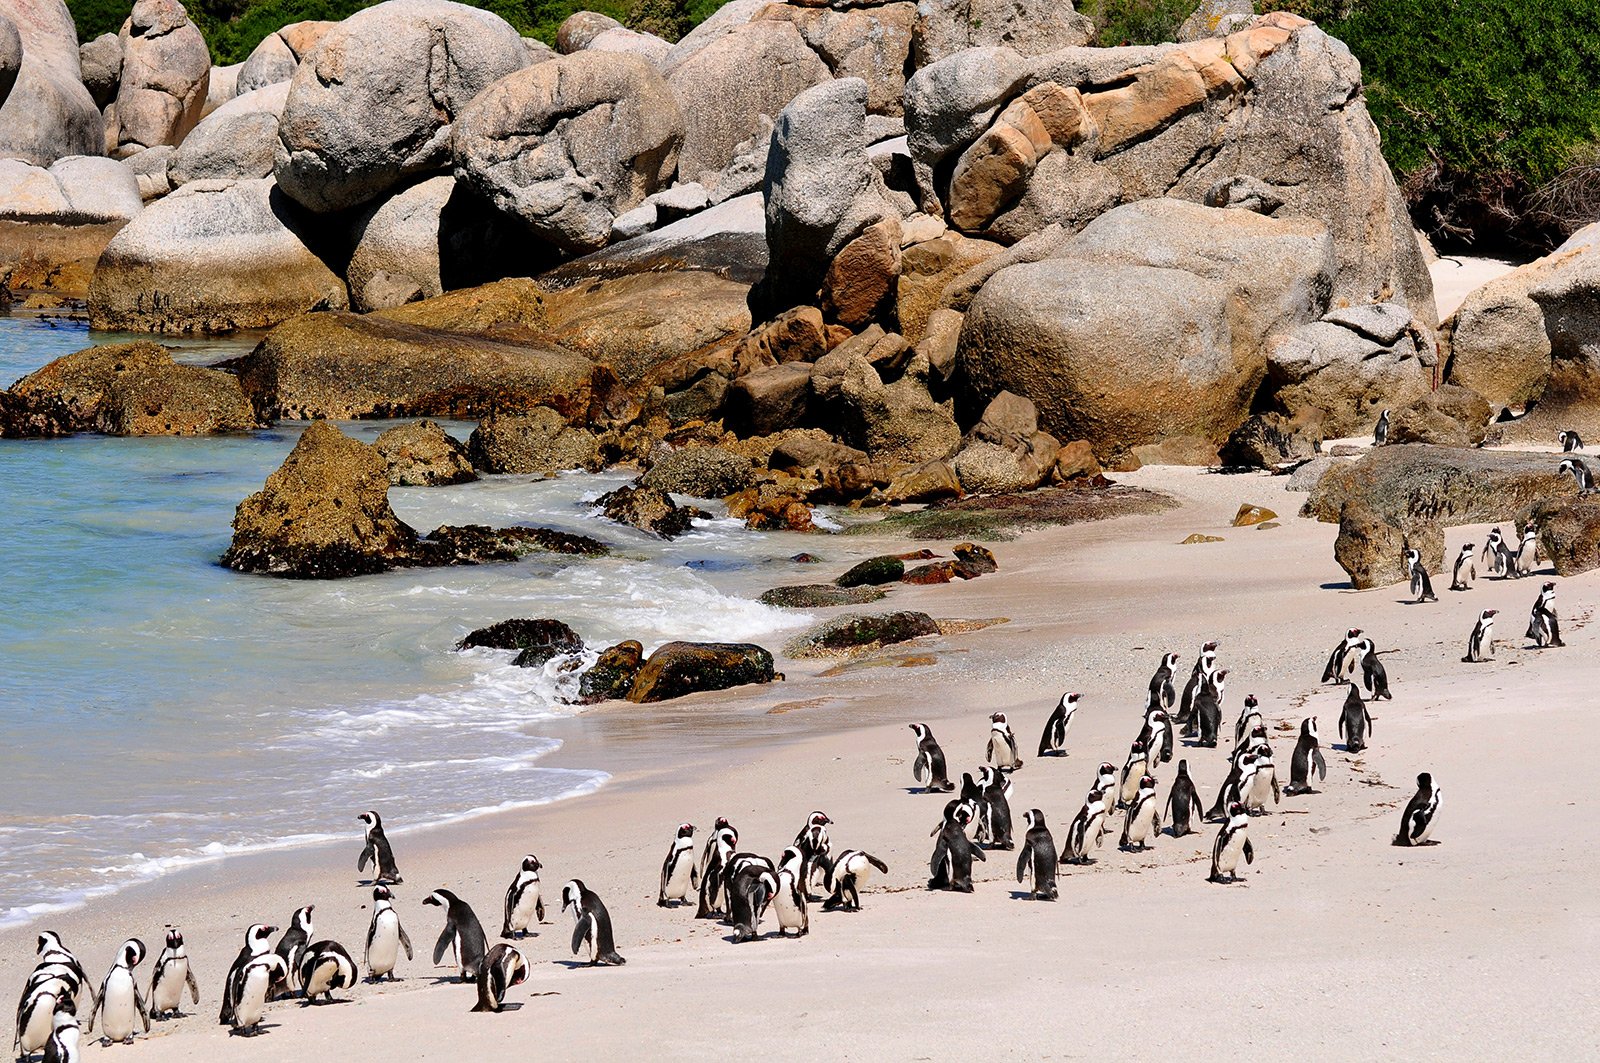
(818, 819)
(531, 863)
(174, 938)
(572, 895)
(919, 730)
(302, 918)
(257, 936)
(1033, 818)
(439, 898)
(791, 861)
(1235, 809)
(381, 893)
(1490, 613)
(132, 952)
(1070, 699)
(1147, 782)
(1250, 701)
(1106, 767)
(49, 941)
(1183, 768)
(1425, 781)
(1549, 586)
(723, 824)
(997, 717)
(370, 818)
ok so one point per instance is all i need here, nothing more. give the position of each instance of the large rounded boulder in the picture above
(568, 145)
(374, 101)
(48, 113)
(237, 141)
(166, 70)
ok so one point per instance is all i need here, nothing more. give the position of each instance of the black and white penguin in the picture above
(324, 967)
(1087, 830)
(1525, 558)
(1464, 571)
(1249, 716)
(525, 902)
(1002, 744)
(1162, 693)
(1307, 758)
(377, 852)
(680, 878)
(56, 961)
(65, 1036)
(929, 768)
(1480, 644)
(1204, 666)
(1421, 584)
(170, 974)
(1232, 790)
(1342, 661)
(1544, 628)
(996, 791)
(845, 879)
(813, 843)
(1570, 441)
(1578, 469)
(1105, 783)
(1208, 708)
(503, 968)
(1182, 799)
(790, 904)
(1354, 721)
(1373, 673)
(1233, 841)
(751, 890)
(462, 935)
(1137, 765)
(121, 1006)
(1156, 735)
(1143, 821)
(1259, 782)
(292, 945)
(256, 979)
(1417, 822)
(721, 846)
(385, 936)
(42, 998)
(1038, 858)
(1053, 742)
(1380, 432)
(950, 867)
(593, 924)
(257, 943)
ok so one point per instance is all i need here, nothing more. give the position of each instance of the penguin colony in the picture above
(742, 888)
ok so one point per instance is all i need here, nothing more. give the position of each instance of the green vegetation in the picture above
(1119, 22)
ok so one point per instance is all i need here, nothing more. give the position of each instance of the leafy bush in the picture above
(1119, 22)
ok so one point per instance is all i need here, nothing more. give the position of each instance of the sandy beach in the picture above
(1336, 945)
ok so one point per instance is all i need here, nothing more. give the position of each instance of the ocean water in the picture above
(157, 710)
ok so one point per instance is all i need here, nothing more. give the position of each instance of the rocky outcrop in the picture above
(1005, 451)
(47, 114)
(77, 191)
(898, 422)
(522, 634)
(166, 70)
(237, 141)
(861, 632)
(1268, 440)
(568, 145)
(341, 366)
(700, 472)
(101, 60)
(274, 60)
(613, 673)
(1451, 416)
(647, 508)
(1032, 27)
(512, 309)
(1569, 300)
(422, 454)
(770, 507)
(820, 596)
(872, 572)
(1569, 532)
(540, 442)
(869, 42)
(211, 257)
(680, 668)
(1342, 372)
(375, 100)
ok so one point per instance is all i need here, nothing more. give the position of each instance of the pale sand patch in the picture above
(1455, 278)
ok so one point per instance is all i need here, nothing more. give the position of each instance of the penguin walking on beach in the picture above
(1249, 716)
(593, 924)
(1038, 858)
(1380, 432)
(720, 847)
(1421, 584)
(1570, 441)
(1544, 629)
(1233, 842)
(679, 876)
(1259, 782)
(751, 890)
(1162, 693)
(813, 843)
(257, 943)
(462, 935)
(1354, 721)
(1522, 561)
(1480, 644)
(46, 995)
(324, 967)
(292, 945)
(1416, 824)
(256, 979)
(525, 903)
(1578, 469)
(377, 852)
(1053, 742)
(1135, 768)
(1373, 673)
(65, 1036)
(121, 1006)
(929, 768)
(1204, 666)
(1087, 830)
(1156, 734)
(503, 968)
(1307, 758)
(1002, 744)
(385, 936)
(845, 879)
(56, 963)
(1233, 784)
(1105, 784)
(1143, 821)
(1182, 799)
(1342, 661)
(950, 867)
(168, 977)
(1464, 571)
(989, 793)
(1208, 708)
(790, 904)
(1494, 553)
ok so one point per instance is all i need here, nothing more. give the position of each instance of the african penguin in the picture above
(950, 867)
(524, 903)
(1421, 585)
(1156, 734)
(1181, 800)
(1002, 744)
(1143, 821)
(1232, 790)
(1373, 673)
(292, 945)
(324, 967)
(1136, 767)
(63, 1045)
(257, 943)
(1105, 783)
(996, 789)
(1544, 628)
(929, 769)
(790, 903)
(720, 848)
(848, 874)
(1480, 644)
(1579, 471)
(256, 978)
(1464, 571)
(377, 852)
(1307, 759)
(593, 924)
(1494, 552)
(813, 843)
(1380, 432)
(42, 999)
(1204, 665)
(1570, 441)
(1053, 742)
(503, 968)
(1340, 662)
(1249, 716)
(1417, 822)
(1087, 830)
(1162, 692)
(1208, 708)
(170, 974)
(462, 934)
(1261, 781)
(679, 876)
(750, 892)
(385, 936)
(1038, 858)
(1522, 562)
(1233, 841)
(121, 1006)
(1354, 721)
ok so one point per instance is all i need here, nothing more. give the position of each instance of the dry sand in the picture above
(1336, 946)
(1454, 278)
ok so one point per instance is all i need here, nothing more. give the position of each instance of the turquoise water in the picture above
(158, 709)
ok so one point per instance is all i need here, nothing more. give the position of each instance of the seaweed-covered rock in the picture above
(873, 571)
(769, 507)
(700, 472)
(1270, 439)
(649, 509)
(478, 544)
(522, 634)
(861, 631)
(680, 668)
(613, 673)
(540, 442)
(820, 596)
(978, 560)
(422, 454)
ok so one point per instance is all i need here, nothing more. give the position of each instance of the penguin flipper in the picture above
(194, 986)
(977, 854)
(368, 855)
(919, 767)
(1249, 852)
(1320, 764)
(405, 939)
(579, 934)
(446, 939)
(1023, 858)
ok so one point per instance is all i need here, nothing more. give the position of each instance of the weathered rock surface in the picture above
(101, 60)
(166, 71)
(700, 472)
(47, 114)
(422, 454)
(521, 634)
(274, 60)
(649, 509)
(1451, 416)
(860, 632)
(550, 640)
(872, 572)
(1032, 27)
(1569, 533)
(680, 668)
(1496, 340)
(235, 142)
(77, 191)
(770, 507)
(1269, 440)
(511, 309)
(613, 673)
(821, 596)
(210, 257)
(1569, 299)
(540, 442)
(375, 100)
(1342, 378)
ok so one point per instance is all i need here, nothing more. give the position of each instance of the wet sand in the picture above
(1336, 945)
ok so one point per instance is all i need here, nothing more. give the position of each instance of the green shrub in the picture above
(1119, 22)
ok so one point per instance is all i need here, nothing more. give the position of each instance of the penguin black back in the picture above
(1181, 800)
(462, 932)
(1354, 721)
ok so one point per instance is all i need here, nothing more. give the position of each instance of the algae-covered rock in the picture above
(861, 631)
(680, 668)
(872, 571)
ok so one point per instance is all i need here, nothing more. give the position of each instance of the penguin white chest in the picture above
(790, 915)
(1141, 822)
(1261, 787)
(528, 902)
(384, 951)
(36, 1031)
(678, 881)
(1232, 851)
(118, 1009)
(252, 1002)
(169, 990)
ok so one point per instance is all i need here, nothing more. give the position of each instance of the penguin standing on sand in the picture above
(1053, 742)
(1480, 644)
(813, 843)
(503, 968)
(1373, 673)
(256, 979)
(1417, 822)
(720, 847)
(1464, 571)
(292, 945)
(1421, 585)
(1087, 831)
(750, 893)
(1182, 799)
(65, 1036)
(1208, 708)
(1354, 721)
(1233, 785)
(385, 936)
(462, 934)
(593, 924)
(1579, 471)
(1341, 662)
(989, 794)
(790, 903)
(1002, 744)
(257, 943)
(377, 852)
(1233, 842)
(324, 967)
(1261, 781)
(1143, 821)
(121, 1006)
(1135, 768)
(1162, 693)
(524, 903)
(950, 867)
(1570, 441)
(1204, 666)
(929, 769)
(1495, 553)
(1157, 734)
(1380, 433)
(1038, 858)
(679, 875)
(1544, 629)
(1522, 561)
(846, 877)
(56, 961)
(169, 976)
(45, 995)
(1105, 784)
(1307, 758)
(1249, 716)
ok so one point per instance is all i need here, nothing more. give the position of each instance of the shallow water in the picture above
(158, 709)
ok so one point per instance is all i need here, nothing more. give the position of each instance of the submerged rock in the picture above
(613, 673)
(873, 571)
(520, 634)
(649, 509)
(554, 640)
(540, 442)
(422, 454)
(680, 668)
(820, 596)
(860, 632)
(477, 544)
(700, 472)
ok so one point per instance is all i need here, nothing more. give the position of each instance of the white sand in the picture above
(1455, 278)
